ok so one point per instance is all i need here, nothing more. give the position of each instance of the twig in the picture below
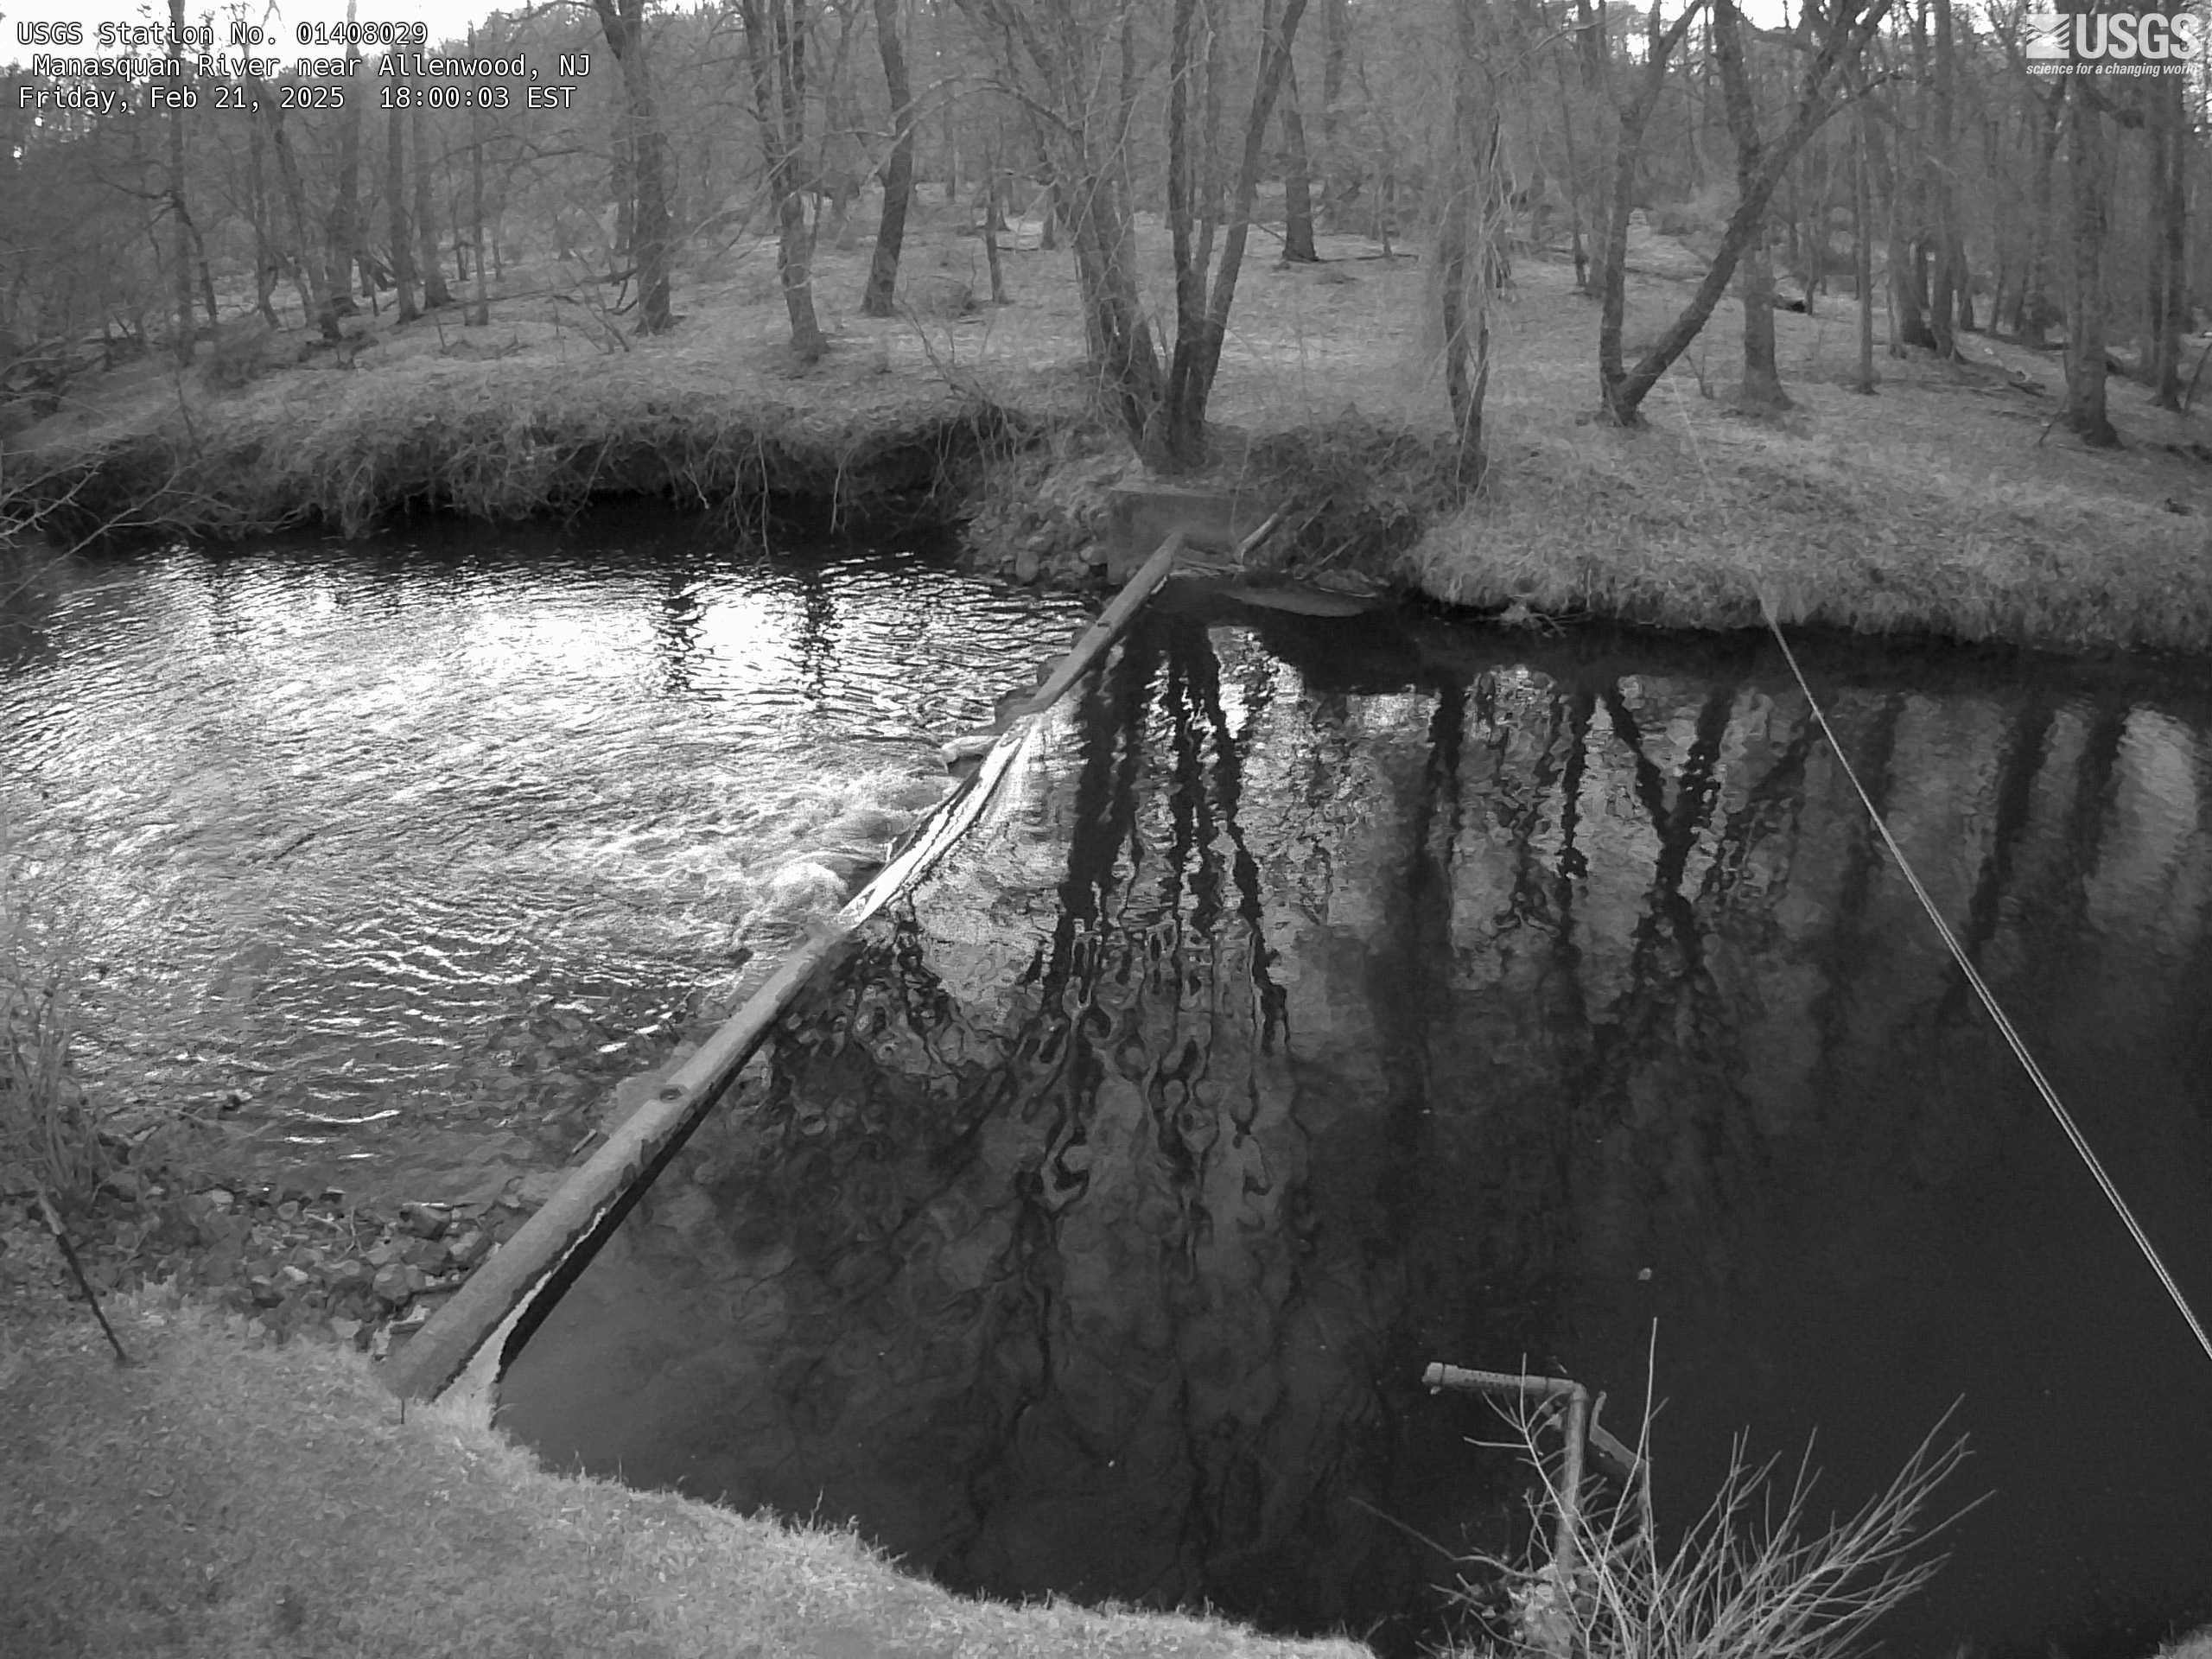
(69, 1254)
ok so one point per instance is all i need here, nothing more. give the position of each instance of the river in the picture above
(1325, 998)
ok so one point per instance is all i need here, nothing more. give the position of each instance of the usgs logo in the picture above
(2125, 42)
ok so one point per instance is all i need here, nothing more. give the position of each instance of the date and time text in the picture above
(187, 69)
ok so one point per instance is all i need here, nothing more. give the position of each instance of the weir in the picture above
(511, 1293)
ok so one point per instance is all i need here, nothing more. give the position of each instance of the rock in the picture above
(535, 1188)
(1025, 566)
(393, 1286)
(973, 745)
(427, 1254)
(424, 1220)
(469, 1247)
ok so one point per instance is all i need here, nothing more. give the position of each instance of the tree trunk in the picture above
(951, 130)
(306, 260)
(775, 54)
(1761, 390)
(480, 314)
(1297, 178)
(1862, 249)
(2084, 413)
(1180, 441)
(344, 241)
(877, 299)
(1942, 207)
(622, 181)
(1465, 250)
(2035, 301)
(623, 23)
(2170, 131)
(1336, 46)
(993, 220)
(1616, 149)
(1574, 183)
(395, 191)
(180, 226)
(435, 292)
(266, 262)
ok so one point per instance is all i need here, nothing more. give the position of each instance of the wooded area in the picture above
(1903, 155)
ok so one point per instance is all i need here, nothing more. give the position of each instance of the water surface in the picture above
(451, 830)
(1323, 999)
(1328, 999)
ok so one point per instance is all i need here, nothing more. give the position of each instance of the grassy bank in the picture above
(233, 1498)
(1943, 504)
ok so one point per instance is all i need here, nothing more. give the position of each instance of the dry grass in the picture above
(224, 1500)
(1936, 505)
(49, 1133)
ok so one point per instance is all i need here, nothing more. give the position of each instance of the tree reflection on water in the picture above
(1298, 1019)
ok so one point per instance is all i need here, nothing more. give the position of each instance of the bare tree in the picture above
(1839, 38)
(1761, 389)
(1176, 437)
(1862, 245)
(306, 262)
(344, 226)
(1950, 309)
(898, 172)
(395, 192)
(435, 292)
(1298, 179)
(2035, 301)
(2169, 140)
(775, 53)
(623, 23)
(1467, 239)
(2084, 413)
(180, 225)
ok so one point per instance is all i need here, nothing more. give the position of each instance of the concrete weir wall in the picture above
(514, 1290)
(1141, 516)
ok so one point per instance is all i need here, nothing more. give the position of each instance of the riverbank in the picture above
(228, 1496)
(1944, 504)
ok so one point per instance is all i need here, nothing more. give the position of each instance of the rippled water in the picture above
(452, 831)
(1330, 999)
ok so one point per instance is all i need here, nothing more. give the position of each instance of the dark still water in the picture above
(1327, 999)
(416, 847)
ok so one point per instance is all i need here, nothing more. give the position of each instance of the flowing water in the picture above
(1322, 999)
(394, 858)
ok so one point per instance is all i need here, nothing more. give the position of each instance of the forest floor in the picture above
(1945, 503)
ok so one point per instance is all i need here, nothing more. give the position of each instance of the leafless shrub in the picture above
(49, 1133)
(1753, 1577)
